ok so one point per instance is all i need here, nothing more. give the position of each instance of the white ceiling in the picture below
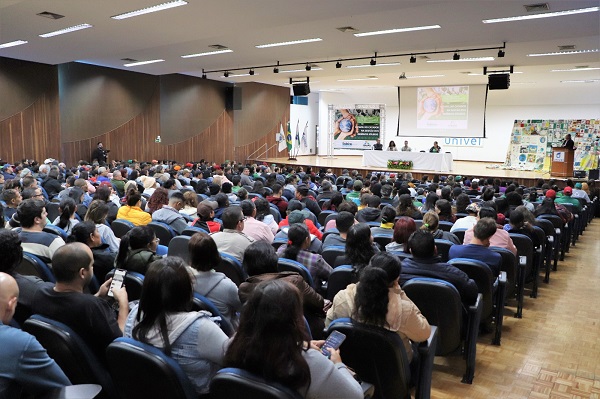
(241, 25)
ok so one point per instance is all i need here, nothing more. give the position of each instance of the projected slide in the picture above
(445, 107)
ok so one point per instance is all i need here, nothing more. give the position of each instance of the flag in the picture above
(304, 138)
(281, 139)
(298, 134)
(288, 137)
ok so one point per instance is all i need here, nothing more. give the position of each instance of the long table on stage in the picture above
(421, 160)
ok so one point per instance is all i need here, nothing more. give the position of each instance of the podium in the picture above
(562, 162)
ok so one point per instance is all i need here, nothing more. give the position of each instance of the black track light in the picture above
(203, 76)
(501, 53)
(456, 57)
(373, 62)
(226, 74)
(338, 65)
(251, 72)
(308, 67)
(276, 69)
(413, 59)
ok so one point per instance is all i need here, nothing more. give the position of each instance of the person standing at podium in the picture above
(568, 143)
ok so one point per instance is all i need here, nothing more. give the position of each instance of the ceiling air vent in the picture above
(50, 15)
(218, 47)
(347, 29)
(567, 47)
(536, 7)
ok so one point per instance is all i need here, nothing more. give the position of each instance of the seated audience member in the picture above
(159, 197)
(568, 199)
(431, 224)
(344, 221)
(206, 214)
(150, 185)
(468, 221)
(333, 203)
(12, 255)
(263, 214)
(354, 195)
(79, 196)
(499, 239)
(223, 202)
(106, 193)
(295, 205)
(403, 228)
(345, 206)
(90, 316)
(297, 249)
(298, 217)
(190, 205)
(579, 192)
(226, 188)
(519, 225)
(377, 299)
(407, 208)
(97, 213)
(66, 220)
(104, 260)
(430, 202)
(443, 208)
(169, 214)
(137, 250)
(204, 257)
(308, 201)
(33, 218)
(162, 319)
(272, 342)
(277, 199)
(132, 211)
(260, 262)
(326, 191)
(360, 247)
(252, 227)
(12, 197)
(478, 249)
(25, 366)
(232, 240)
(371, 213)
(462, 201)
(426, 263)
(549, 207)
(51, 183)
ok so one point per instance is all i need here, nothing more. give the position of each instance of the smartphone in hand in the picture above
(334, 341)
(117, 281)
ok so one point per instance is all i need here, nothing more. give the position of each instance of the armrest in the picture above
(426, 355)
(475, 310)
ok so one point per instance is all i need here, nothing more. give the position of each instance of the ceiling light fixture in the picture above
(413, 59)
(399, 30)
(147, 10)
(226, 74)
(300, 70)
(501, 53)
(424, 76)
(66, 30)
(207, 53)
(370, 65)
(251, 72)
(132, 64)
(338, 65)
(373, 62)
(308, 67)
(576, 69)
(580, 81)
(466, 59)
(563, 53)
(317, 39)
(203, 74)
(276, 69)
(542, 15)
(456, 57)
(358, 79)
(236, 75)
(13, 44)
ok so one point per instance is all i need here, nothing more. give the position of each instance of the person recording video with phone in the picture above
(100, 154)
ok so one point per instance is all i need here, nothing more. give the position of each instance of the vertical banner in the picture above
(357, 127)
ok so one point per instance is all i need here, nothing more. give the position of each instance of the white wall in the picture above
(304, 113)
(504, 106)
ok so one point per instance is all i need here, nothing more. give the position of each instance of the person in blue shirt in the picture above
(478, 249)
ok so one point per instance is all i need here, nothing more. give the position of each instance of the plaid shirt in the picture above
(316, 265)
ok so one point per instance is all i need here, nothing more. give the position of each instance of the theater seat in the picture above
(230, 383)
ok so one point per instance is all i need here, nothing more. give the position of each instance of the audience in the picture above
(33, 218)
(431, 224)
(360, 247)
(137, 250)
(66, 220)
(477, 248)
(232, 240)
(169, 214)
(468, 221)
(133, 212)
(97, 213)
(499, 239)
(256, 229)
(104, 260)
(403, 228)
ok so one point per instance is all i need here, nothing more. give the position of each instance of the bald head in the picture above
(68, 260)
(9, 292)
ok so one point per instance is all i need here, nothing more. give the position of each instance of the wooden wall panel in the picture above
(268, 142)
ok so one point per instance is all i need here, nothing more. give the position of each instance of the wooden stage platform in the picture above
(463, 168)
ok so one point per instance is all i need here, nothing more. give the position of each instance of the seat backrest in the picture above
(555, 219)
(279, 242)
(460, 234)
(52, 209)
(339, 279)
(440, 303)
(382, 240)
(232, 268)
(483, 277)
(31, 265)
(329, 217)
(377, 355)
(143, 371)
(120, 227)
(133, 283)
(524, 249)
(443, 248)
(52, 229)
(163, 231)
(328, 232)
(546, 225)
(200, 302)
(275, 212)
(445, 226)
(288, 265)
(331, 252)
(179, 247)
(191, 230)
(509, 265)
(237, 383)
(324, 215)
(70, 352)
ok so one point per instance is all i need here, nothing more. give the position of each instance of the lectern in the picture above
(562, 162)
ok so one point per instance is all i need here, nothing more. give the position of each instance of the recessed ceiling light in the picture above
(399, 30)
(575, 69)
(543, 15)
(142, 63)
(300, 70)
(581, 81)
(317, 39)
(376, 65)
(465, 59)
(239, 75)
(12, 44)
(147, 10)
(66, 30)
(424, 76)
(563, 53)
(358, 79)
(489, 73)
(207, 53)
(50, 15)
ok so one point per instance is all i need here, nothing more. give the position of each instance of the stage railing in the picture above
(262, 153)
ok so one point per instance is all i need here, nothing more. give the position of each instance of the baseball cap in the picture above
(473, 208)
(551, 194)
(578, 186)
(296, 217)
(212, 204)
(568, 190)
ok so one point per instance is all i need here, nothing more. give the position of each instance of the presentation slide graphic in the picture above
(443, 107)
(356, 128)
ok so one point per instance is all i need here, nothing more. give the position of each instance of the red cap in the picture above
(568, 190)
(551, 194)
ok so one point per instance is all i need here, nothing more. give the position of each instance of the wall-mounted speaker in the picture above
(499, 81)
(594, 174)
(233, 98)
(301, 89)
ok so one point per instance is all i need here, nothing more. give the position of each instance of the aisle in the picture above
(553, 351)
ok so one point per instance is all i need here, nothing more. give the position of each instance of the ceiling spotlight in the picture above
(373, 62)
(251, 72)
(226, 74)
(413, 59)
(338, 65)
(456, 57)
(308, 67)
(203, 76)
(276, 69)
(501, 53)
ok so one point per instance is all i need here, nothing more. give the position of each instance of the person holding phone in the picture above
(378, 300)
(273, 343)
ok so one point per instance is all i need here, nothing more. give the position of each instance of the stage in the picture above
(463, 168)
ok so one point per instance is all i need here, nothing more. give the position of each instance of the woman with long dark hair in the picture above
(162, 319)
(87, 233)
(97, 213)
(272, 342)
(137, 249)
(407, 208)
(430, 201)
(444, 211)
(359, 247)
(66, 220)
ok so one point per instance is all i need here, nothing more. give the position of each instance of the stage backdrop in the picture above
(356, 127)
(532, 141)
